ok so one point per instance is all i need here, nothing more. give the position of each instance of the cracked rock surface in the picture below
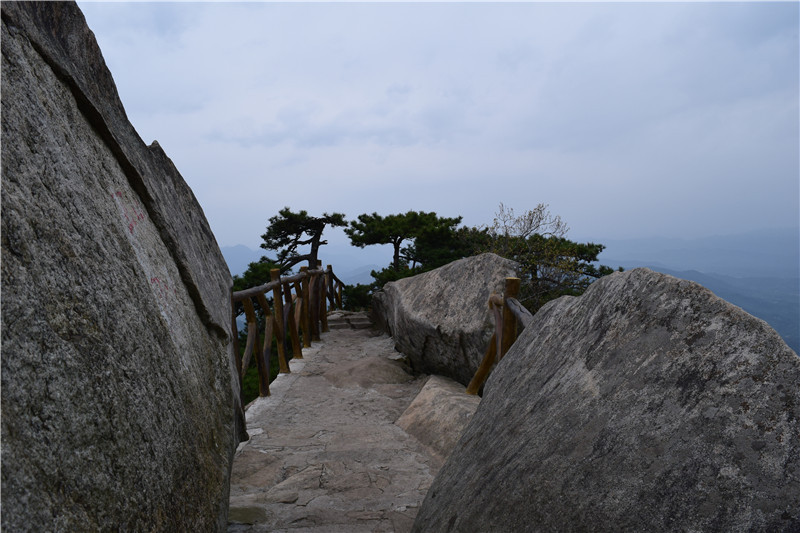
(325, 453)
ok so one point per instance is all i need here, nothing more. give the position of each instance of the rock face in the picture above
(647, 404)
(440, 319)
(120, 408)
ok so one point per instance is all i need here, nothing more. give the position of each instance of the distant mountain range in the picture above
(758, 271)
(763, 253)
(239, 257)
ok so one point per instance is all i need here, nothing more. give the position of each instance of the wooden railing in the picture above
(301, 314)
(507, 312)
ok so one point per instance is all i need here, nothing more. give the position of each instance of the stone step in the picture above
(351, 321)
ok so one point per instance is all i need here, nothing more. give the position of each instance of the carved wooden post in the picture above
(306, 309)
(280, 331)
(509, 320)
(297, 350)
(323, 301)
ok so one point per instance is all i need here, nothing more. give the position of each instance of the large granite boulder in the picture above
(120, 406)
(440, 319)
(647, 404)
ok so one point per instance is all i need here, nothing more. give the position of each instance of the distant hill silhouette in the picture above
(239, 256)
(758, 271)
(758, 254)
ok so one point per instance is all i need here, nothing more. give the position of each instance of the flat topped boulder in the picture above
(440, 319)
(439, 414)
(647, 404)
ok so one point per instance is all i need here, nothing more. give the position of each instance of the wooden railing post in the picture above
(509, 320)
(297, 350)
(313, 303)
(253, 346)
(330, 291)
(483, 370)
(250, 315)
(298, 307)
(323, 301)
(505, 332)
(334, 289)
(306, 309)
(266, 352)
(495, 343)
(280, 331)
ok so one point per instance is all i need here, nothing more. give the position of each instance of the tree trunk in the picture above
(397, 255)
(313, 260)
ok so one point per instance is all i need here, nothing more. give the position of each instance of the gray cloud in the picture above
(629, 119)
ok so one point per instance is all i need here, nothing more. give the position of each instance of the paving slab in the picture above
(349, 319)
(325, 454)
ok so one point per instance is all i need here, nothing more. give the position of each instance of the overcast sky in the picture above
(629, 120)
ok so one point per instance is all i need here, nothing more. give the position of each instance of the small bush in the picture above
(357, 297)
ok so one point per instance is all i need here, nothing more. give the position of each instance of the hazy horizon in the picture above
(767, 253)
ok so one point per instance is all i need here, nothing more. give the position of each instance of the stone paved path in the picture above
(324, 453)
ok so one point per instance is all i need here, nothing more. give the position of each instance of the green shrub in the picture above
(357, 297)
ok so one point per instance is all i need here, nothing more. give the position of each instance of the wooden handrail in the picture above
(295, 315)
(507, 311)
(523, 315)
(238, 296)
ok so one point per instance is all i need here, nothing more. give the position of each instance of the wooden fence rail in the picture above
(507, 312)
(299, 310)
